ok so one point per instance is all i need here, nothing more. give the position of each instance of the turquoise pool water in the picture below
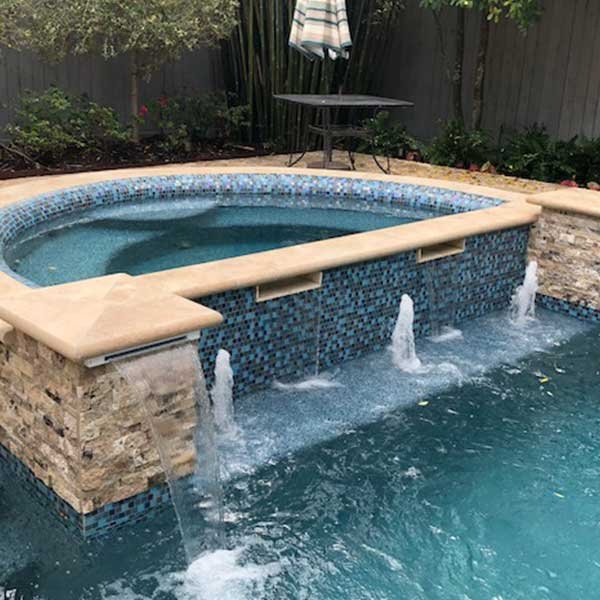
(477, 478)
(153, 236)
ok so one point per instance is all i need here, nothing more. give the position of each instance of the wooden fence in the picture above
(105, 81)
(550, 76)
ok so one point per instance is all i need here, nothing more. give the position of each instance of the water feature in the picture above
(476, 482)
(161, 381)
(403, 337)
(523, 301)
(222, 393)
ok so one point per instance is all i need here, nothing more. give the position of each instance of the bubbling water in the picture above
(403, 338)
(222, 393)
(523, 301)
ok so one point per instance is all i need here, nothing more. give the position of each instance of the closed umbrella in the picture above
(321, 26)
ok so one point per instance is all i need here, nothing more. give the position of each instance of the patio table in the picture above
(329, 131)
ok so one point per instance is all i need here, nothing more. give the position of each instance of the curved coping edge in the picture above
(60, 316)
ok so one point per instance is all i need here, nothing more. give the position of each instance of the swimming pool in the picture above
(476, 479)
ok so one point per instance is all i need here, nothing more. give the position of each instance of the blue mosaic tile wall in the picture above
(578, 311)
(17, 219)
(355, 309)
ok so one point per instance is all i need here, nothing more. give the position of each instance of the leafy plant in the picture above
(191, 121)
(457, 147)
(150, 33)
(51, 126)
(534, 154)
(390, 138)
(258, 63)
(587, 163)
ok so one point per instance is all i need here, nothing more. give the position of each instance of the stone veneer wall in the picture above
(355, 309)
(84, 433)
(567, 249)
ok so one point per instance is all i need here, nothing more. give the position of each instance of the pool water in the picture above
(152, 236)
(477, 478)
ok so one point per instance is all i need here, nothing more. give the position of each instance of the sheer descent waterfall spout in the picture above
(171, 388)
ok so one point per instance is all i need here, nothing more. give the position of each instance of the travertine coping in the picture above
(244, 271)
(571, 200)
(103, 315)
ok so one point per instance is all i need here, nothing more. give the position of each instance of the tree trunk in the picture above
(457, 71)
(479, 85)
(135, 98)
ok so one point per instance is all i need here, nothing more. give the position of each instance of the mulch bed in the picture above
(14, 169)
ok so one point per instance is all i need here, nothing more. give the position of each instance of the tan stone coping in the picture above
(99, 316)
(85, 319)
(571, 200)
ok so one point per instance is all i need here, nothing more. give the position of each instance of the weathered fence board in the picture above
(550, 76)
(105, 81)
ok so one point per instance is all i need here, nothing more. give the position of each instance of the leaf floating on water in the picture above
(558, 495)
(544, 380)
(51, 268)
(423, 403)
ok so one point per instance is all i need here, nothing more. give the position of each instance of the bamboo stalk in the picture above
(259, 63)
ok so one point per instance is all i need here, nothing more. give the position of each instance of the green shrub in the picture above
(390, 138)
(587, 162)
(191, 121)
(457, 147)
(533, 154)
(53, 126)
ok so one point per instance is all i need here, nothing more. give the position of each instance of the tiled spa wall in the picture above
(355, 310)
(98, 474)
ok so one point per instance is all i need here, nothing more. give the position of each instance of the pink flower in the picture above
(163, 101)
(143, 111)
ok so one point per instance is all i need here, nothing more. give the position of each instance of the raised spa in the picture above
(141, 226)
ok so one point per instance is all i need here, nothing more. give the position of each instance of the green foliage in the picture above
(53, 126)
(587, 162)
(186, 122)
(457, 147)
(258, 63)
(156, 30)
(522, 12)
(534, 154)
(151, 32)
(390, 138)
(45, 27)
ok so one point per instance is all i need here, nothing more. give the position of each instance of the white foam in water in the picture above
(318, 382)
(447, 334)
(222, 393)
(222, 575)
(273, 424)
(403, 337)
(522, 307)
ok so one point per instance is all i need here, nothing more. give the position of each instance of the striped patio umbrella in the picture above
(319, 26)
